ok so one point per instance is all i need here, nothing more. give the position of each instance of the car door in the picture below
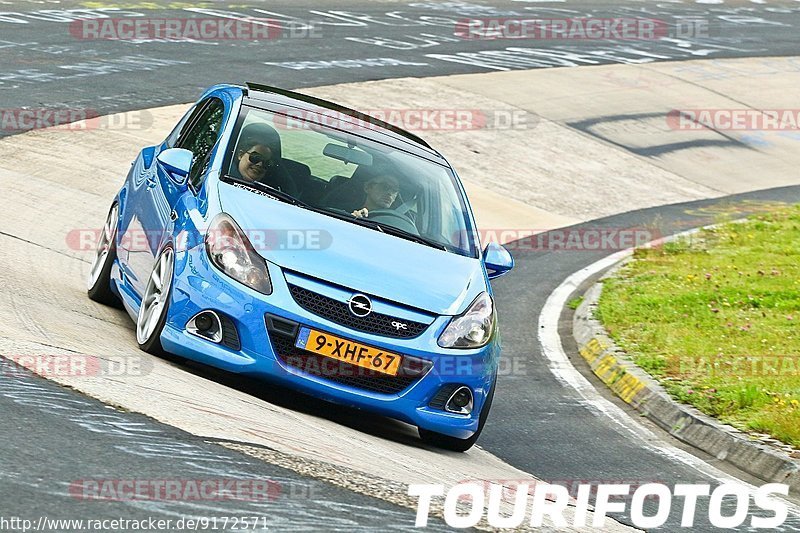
(190, 203)
(155, 208)
(133, 247)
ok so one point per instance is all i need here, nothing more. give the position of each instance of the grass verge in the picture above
(714, 318)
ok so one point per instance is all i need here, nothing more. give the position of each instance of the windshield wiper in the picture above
(346, 217)
(403, 234)
(264, 188)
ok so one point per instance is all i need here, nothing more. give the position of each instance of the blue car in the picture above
(295, 240)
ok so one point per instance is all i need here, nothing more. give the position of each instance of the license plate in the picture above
(351, 352)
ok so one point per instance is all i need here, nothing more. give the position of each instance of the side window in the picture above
(201, 137)
(173, 137)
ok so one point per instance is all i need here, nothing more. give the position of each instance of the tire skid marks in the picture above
(147, 441)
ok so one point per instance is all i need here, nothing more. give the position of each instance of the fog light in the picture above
(460, 401)
(206, 324)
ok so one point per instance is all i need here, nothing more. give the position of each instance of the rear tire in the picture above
(455, 444)
(99, 283)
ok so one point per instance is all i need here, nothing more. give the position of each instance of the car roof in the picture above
(378, 130)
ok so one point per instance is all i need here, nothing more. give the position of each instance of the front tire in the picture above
(155, 303)
(455, 444)
(99, 282)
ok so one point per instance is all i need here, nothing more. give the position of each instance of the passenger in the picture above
(258, 158)
(381, 191)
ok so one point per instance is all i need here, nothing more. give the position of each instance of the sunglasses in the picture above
(256, 158)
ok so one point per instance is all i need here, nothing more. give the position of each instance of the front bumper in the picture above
(198, 286)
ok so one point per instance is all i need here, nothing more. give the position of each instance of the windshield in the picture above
(341, 174)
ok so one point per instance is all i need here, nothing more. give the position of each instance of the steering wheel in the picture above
(394, 218)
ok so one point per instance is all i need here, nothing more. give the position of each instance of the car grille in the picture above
(337, 371)
(339, 312)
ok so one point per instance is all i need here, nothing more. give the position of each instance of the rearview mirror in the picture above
(176, 162)
(348, 155)
(497, 260)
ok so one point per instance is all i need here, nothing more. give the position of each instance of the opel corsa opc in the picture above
(291, 239)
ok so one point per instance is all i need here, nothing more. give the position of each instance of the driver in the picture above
(382, 191)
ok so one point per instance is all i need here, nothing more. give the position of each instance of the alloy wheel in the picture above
(154, 302)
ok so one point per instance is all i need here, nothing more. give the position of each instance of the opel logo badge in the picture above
(360, 305)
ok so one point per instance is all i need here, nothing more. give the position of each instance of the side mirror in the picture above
(497, 260)
(176, 162)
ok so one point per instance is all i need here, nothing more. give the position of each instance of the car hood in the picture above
(356, 257)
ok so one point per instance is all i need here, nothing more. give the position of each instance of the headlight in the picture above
(230, 251)
(473, 328)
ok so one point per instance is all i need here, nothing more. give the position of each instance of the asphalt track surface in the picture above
(57, 444)
(537, 425)
(46, 61)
